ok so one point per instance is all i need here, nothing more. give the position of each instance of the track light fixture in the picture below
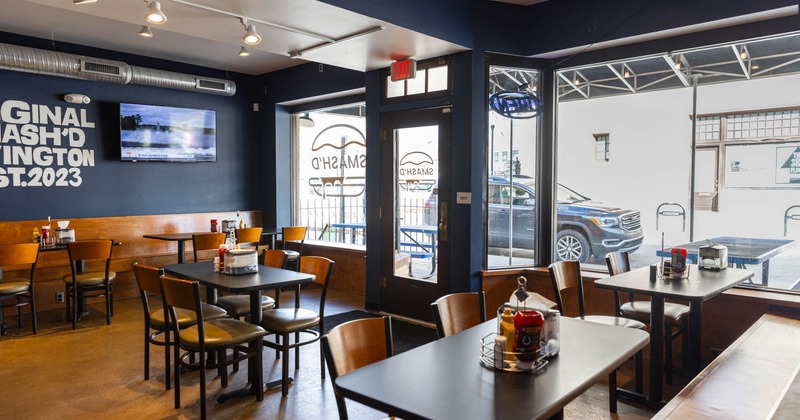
(146, 32)
(154, 14)
(251, 37)
(243, 52)
(83, 1)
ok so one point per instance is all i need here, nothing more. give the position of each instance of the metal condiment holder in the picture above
(510, 360)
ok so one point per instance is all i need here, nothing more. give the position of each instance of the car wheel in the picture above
(572, 246)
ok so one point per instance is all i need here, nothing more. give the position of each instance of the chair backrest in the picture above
(17, 255)
(207, 242)
(618, 263)
(100, 249)
(249, 236)
(147, 278)
(355, 344)
(275, 258)
(184, 294)
(321, 268)
(296, 234)
(566, 275)
(457, 312)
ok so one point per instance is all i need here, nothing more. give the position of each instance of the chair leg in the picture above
(177, 359)
(147, 353)
(20, 319)
(639, 373)
(3, 326)
(259, 373)
(203, 385)
(67, 310)
(684, 344)
(33, 314)
(222, 367)
(75, 299)
(108, 306)
(612, 391)
(285, 365)
(297, 351)
(167, 358)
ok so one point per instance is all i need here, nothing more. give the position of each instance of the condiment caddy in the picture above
(527, 334)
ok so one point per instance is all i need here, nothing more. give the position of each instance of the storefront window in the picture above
(707, 153)
(511, 167)
(330, 156)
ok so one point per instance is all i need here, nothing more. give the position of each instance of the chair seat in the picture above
(291, 254)
(92, 278)
(239, 305)
(640, 311)
(222, 332)
(13, 286)
(289, 319)
(615, 320)
(186, 318)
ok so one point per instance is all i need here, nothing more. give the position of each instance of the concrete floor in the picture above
(96, 372)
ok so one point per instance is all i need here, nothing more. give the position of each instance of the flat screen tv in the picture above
(151, 133)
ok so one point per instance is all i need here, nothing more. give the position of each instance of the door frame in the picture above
(407, 296)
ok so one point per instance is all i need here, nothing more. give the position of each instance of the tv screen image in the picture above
(167, 134)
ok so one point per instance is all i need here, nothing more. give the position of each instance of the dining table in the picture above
(182, 237)
(741, 251)
(266, 278)
(445, 379)
(698, 286)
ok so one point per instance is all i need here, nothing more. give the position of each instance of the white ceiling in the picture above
(211, 39)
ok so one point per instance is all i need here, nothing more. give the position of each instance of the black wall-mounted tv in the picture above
(152, 133)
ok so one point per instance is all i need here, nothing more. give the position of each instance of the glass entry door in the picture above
(414, 210)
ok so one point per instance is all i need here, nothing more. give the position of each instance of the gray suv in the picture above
(585, 229)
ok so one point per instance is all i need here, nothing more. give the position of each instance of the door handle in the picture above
(442, 221)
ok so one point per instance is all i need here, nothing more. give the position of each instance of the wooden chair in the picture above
(207, 242)
(457, 312)
(12, 288)
(248, 237)
(79, 286)
(216, 335)
(156, 321)
(355, 344)
(297, 236)
(285, 321)
(566, 275)
(675, 315)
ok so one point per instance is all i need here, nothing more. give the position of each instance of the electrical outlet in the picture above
(60, 297)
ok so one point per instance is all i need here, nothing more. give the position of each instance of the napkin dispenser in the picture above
(240, 261)
(713, 257)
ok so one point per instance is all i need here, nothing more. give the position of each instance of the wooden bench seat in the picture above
(749, 380)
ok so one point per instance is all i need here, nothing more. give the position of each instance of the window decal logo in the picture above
(339, 159)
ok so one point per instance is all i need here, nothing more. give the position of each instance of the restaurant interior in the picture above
(402, 140)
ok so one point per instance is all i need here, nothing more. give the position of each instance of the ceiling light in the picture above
(154, 14)
(146, 32)
(627, 74)
(243, 52)
(251, 36)
(306, 121)
(83, 1)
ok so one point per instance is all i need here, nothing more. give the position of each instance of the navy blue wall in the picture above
(115, 188)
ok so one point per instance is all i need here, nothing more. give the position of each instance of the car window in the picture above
(520, 195)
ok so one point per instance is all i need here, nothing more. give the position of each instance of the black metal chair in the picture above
(675, 315)
(567, 275)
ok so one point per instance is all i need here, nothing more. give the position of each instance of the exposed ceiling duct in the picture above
(32, 60)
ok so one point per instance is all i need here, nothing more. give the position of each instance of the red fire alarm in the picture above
(404, 69)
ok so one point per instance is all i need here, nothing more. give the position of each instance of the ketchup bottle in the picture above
(528, 326)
